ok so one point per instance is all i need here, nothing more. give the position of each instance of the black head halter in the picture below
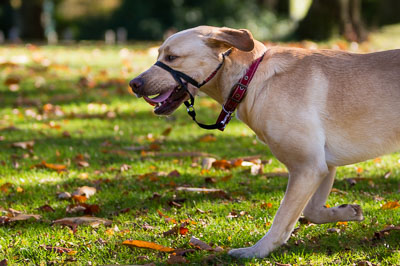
(178, 76)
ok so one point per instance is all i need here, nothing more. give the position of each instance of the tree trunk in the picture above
(329, 17)
(31, 24)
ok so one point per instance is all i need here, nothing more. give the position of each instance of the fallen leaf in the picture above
(3, 262)
(385, 231)
(207, 162)
(390, 205)
(174, 173)
(79, 199)
(84, 220)
(176, 230)
(197, 243)
(23, 144)
(12, 80)
(46, 208)
(221, 164)
(84, 191)
(208, 138)
(24, 217)
(60, 250)
(167, 131)
(88, 209)
(5, 187)
(265, 205)
(333, 230)
(57, 167)
(198, 189)
(64, 195)
(149, 245)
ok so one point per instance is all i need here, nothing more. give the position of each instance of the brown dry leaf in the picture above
(3, 262)
(207, 162)
(64, 195)
(84, 191)
(24, 217)
(386, 231)
(390, 205)
(12, 80)
(208, 138)
(84, 220)
(23, 144)
(88, 209)
(176, 230)
(198, 189)
(174, 173)
(46, 208)
(222, 164)
(5, 187)
(167, 131)
(60, 250)
(166, 217)
(195, 242)
(145, 244)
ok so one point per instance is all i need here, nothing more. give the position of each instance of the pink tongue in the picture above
(160, 98)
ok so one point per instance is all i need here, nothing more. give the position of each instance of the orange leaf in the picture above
(5, 187)
(360, 170)
(266, 205)
(78, 198)
(391, 205)
(57, 167)
(377, 160)
(183, 230)
(341, 224)
(221, 164)
(145, 244)
(207, 138)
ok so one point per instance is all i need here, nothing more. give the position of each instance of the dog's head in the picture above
(195, 52)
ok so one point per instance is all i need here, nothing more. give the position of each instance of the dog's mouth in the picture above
(167, 102)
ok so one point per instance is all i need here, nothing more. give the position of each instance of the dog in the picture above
(315, 109)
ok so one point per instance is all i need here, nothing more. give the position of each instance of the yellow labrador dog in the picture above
(315, 109)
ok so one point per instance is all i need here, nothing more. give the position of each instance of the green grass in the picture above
(52, 74)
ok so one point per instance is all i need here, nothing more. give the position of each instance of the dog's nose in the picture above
(136, 84)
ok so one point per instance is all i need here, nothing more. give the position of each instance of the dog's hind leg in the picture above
(316, 211)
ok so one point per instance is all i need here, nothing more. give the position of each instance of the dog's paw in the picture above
(351, 212)
(251, 252)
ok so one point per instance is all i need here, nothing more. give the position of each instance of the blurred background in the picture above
(118, 21)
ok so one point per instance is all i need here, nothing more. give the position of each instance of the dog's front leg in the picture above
(303, 182)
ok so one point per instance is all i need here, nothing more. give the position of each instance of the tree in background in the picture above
(326, 18)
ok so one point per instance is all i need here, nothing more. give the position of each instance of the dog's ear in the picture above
(240, 39)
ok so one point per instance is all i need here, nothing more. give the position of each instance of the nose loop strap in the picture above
(225, 115)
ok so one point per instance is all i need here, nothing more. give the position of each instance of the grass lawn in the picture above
(87, 130)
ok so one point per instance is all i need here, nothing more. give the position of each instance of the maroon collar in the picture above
(237, 94)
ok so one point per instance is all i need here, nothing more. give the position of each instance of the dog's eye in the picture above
(171, 58)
